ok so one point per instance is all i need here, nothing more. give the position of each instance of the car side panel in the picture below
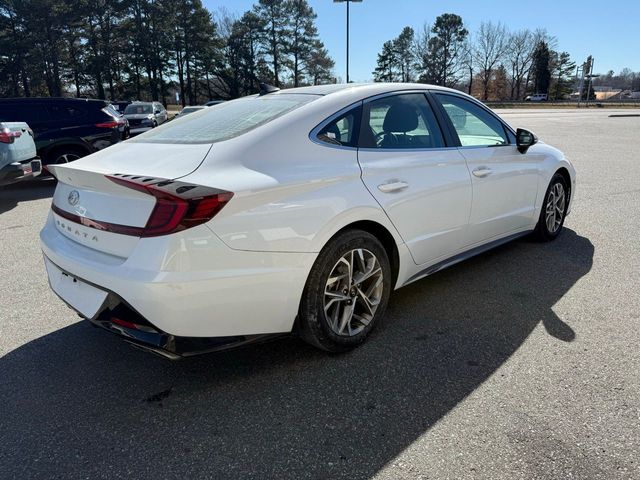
(292, 201)
(504, 200)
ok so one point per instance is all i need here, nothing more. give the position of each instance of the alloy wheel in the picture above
(353, 292)
(67, 157)
(555, 207)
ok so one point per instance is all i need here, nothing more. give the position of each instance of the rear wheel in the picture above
(67, 154)
(554, 209)
(346, 293)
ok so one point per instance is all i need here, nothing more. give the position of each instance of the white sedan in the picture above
(292, 211)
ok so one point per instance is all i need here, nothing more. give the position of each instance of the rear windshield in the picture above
(226, 120)
(137, 109)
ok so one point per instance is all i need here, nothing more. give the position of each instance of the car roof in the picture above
(52, 100)
(360, 88)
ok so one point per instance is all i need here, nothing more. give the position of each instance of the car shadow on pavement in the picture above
(12, 194)
(80, 403)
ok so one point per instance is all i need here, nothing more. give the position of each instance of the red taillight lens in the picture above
(178, 205)
(7, 136)
(112, 124)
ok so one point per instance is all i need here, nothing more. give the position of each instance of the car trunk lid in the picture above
(87, 200)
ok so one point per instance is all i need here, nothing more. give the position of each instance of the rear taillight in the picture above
(7, 136)
(178, 206)
(112, 124)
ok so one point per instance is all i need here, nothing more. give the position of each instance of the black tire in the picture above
(312, 323)
(542, 232)
(65, 154)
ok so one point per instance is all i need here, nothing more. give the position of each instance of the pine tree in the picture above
(403, 53)
(386, 69)
(442, 63)
(540, 66)
(320, 65)
(277, 34)
(303, 36)
(564, 69)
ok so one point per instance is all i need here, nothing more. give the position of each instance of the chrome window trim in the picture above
(313, 135)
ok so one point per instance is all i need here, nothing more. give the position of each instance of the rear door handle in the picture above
(393, 186)
(482, 172)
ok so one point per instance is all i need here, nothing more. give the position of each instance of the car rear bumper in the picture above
(187, 284)
(17, 171)
(116, 316)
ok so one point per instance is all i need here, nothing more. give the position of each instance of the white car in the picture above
(537, 97)
(292, 211)
(189, 109)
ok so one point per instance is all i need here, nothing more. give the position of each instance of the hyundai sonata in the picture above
(292, 211)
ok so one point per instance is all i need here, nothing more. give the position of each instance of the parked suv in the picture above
(65, 129)
(143, 116)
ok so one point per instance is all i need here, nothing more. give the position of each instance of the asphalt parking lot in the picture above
(520, 363)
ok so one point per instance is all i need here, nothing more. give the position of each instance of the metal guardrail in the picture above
(622, 103)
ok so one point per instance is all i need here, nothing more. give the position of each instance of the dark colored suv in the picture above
(66, 129)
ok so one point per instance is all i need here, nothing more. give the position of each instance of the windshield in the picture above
(227, 120)
(138, 109)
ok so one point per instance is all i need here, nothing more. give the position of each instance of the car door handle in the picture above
(393, 186)
(482, 172)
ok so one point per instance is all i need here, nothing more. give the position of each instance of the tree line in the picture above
(491, 64)
(150, 49)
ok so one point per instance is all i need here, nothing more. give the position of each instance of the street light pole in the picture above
(348, 41)
(347, 2)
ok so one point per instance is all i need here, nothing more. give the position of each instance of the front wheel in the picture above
(346, 293)
(554, 209)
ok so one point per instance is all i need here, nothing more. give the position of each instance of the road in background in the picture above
(520, 363)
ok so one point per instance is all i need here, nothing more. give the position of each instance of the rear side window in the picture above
(66, 112)
(343, 130)
(227, 120)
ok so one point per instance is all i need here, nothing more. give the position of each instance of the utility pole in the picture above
(347, 2)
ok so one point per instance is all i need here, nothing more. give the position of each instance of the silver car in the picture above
(18, 157)
(143, 116)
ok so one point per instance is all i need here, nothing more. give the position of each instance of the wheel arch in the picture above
(51, 149)
(384, 236)
(567, 178)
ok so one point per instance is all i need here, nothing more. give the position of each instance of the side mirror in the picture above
(157, 112)
(525, 139)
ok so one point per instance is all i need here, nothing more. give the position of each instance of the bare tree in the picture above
(420, 45)
(519, 56)
(490, 47)
(467, 62)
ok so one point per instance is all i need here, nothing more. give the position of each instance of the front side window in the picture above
(343, 130)
(400, 121)
(475, 126)
(227, 120)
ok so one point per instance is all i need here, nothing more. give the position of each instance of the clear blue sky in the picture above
(608, 31)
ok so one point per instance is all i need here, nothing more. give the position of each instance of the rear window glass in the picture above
(134, 109)
(225, 121)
